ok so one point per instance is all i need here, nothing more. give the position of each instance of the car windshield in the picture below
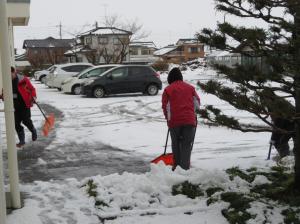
(82, 72)
(98, 72)
(53, 69)
(49, 69)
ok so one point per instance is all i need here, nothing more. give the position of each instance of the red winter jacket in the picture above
(179, 102)
(26, 90)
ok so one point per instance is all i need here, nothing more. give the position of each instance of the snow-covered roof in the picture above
(219, 53)
(187, 41)
(148, 44)
(48, 42)
(78, 49)
(106, 31)
(164, 50)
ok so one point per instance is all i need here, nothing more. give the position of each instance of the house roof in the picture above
(164, 50)
(220, 53)
(187, 41)
(18, 1)
(149, 44)
(48, 43)
(78, 49)
(21, 57)
(106, 31)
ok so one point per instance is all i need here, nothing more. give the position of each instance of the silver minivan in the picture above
(61, 72)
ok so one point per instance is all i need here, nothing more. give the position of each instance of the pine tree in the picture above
(270, 88)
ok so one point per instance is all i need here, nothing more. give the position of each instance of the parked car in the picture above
(41, 75)
(123, 79)
(61, 72)
(72, 85)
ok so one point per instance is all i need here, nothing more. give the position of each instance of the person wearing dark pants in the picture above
(24, 95)
(182, 140)
(281, 140)
(179, 103)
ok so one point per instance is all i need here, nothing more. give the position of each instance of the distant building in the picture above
(101, 45)
(184, 50)
(45, 52)
(223, 58)
(142, 52)
(22, 63)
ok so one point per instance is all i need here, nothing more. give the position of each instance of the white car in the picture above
(61, 72)
(72, 85)
(41, 75)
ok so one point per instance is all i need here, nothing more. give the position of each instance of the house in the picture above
(22, 63)
(223, 58)
(101, 45)
(142, 52)
(44, 52)
(250, 58)
(184, 50)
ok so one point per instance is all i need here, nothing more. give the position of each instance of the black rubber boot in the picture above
(21, 136)
(34, 135)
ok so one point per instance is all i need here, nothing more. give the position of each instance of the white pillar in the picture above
(2, 189)
(8, 107)
(11, 42)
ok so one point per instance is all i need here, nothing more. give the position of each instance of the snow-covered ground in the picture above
(135, 123)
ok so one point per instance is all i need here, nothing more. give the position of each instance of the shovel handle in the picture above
(167, 141)
(270, 149)
(41, 110)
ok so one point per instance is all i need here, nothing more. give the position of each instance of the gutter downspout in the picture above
(8, 107)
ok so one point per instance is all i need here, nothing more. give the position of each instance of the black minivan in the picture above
(123, 79)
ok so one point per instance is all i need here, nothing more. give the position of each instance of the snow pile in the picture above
(150, 194)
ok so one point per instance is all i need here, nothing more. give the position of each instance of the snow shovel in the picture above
(49, 120)
(166, 158)
(270, 149)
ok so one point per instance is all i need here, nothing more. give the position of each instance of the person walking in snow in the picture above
(179, 103)
(279, 138)
(24, 95)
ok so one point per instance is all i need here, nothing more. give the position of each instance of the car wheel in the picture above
(152, 89)
(76, 90)
(98, 92)
(43, 79)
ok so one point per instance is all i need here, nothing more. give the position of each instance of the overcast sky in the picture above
(166, 20)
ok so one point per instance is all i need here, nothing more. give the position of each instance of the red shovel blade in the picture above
(166, 158)
(49, 124)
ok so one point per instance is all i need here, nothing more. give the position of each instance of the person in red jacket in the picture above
(24, 95)
(179, 102)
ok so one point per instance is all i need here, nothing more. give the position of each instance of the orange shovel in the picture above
(49, 121)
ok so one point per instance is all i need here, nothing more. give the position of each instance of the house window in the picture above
(193, 50)
(145, 52)
(103, 40)
(134, 51)
(88, 40)
(116, 41)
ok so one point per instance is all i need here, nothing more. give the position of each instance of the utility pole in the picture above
(60, 32)
(105, 10)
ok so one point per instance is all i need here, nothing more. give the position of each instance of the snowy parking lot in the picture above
(112, 135)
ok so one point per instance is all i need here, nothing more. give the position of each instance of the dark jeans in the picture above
(23, 115)
(182, 140)
(281, 143)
